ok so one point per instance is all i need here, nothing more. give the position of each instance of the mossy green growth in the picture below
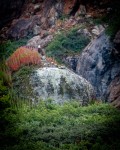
(8, 47)
(21, 83)
(66, 127)
(66, 43)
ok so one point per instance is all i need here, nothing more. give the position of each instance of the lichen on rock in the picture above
(61, 85)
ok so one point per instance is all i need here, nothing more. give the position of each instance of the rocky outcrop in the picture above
(71, 62)
(23, 27)
(48, 11)
(37, 40)
(100, 66)
(117, 38)
(117, 42)
(114, 92)
(60, 84)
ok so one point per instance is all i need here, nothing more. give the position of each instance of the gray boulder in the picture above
(100, 65)
(60, 84)
(37, 40)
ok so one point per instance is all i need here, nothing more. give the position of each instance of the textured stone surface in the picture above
(68, 6)
(84, 32)
(60, 84)
(98, 29)
(117, 38)
(48, 11)
(71, 62)
(117, 43)
(99, 65)
(36, 40)
(23, 27)
(114, 92)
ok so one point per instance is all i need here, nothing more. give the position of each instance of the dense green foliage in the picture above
(6, 120)
(22, 77)
(66, 43)
(50, 126)
(8, 47)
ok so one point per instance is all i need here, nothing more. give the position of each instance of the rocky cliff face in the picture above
(99, 64)
(46, 14)
(40, 15)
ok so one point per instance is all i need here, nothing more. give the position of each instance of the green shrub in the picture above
(7, 116)
(66, 43)
(5, 74)
(8, 47)
(4, 97)
(68, 127)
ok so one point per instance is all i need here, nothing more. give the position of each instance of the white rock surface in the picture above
(97, 30)
(60, 84)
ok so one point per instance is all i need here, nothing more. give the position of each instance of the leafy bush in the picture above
(5, 74)
(8, 47)
(23, 56)
(7, 115)
(68, 127)
(4, 97)
(66, 43)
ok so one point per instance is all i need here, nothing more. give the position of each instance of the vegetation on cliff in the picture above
(67, 43)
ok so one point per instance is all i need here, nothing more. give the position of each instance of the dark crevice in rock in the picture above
(75, 8)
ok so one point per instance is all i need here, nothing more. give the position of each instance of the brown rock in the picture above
(114, 92)
(23, 27)
(43, 33)
(117, 38)
(68, 5)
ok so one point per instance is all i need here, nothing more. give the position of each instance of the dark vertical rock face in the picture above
(114, 91)
(9, 9)
(99, 64)
(71, 62)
